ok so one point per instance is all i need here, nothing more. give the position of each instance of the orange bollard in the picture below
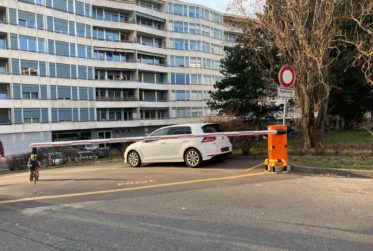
(277, 149)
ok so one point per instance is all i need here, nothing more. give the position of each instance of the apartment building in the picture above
(89, 69)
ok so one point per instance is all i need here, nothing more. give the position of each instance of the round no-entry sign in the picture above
(286, 76)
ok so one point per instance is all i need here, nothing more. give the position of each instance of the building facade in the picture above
(105, 68)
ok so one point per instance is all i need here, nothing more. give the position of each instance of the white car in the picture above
(189, 143)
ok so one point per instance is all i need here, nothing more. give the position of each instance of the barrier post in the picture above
(277, 149)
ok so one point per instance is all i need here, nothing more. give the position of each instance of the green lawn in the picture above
(347, 149)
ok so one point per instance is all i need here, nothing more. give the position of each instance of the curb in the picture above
(333, 171)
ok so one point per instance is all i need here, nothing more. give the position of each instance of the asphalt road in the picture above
(226, 205)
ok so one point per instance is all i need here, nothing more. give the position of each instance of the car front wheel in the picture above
(133, 159)
(193, 158)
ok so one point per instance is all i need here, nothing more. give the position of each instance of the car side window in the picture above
(160, 132)
(180, 130)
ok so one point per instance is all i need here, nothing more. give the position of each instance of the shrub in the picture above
(18, 162)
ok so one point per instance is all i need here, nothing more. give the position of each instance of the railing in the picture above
(116, 99)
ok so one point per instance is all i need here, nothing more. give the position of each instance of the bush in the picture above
(18, 162)
(242, 144)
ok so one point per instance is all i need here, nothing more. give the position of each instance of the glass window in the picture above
(160, 132)
(80, 29)
(30, 91)
(26, 19)
(60, 5)
(81, 51)
(32, 44)
(79, 8)
(41, 45)
(60, 25)
(29, 67)
(62, 48)
(63, 71)
(82, 72)
(64, 92)
(31, 115)
(180, 130)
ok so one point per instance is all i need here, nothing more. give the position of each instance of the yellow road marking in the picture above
(251, 168)
(136, 182)
(130, 188)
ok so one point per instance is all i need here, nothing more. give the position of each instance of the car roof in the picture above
(191, 125)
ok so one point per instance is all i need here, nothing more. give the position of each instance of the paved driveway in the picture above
(229, 205)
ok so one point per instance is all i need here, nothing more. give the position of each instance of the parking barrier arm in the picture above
(135, 139)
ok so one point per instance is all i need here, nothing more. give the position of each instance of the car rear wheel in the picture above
(133, 159)
(192, 157)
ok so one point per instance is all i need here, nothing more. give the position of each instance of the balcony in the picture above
(5, 115)
(115, 99)
(2, 15)
(4, 91)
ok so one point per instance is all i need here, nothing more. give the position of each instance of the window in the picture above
(177, 9)
(3, 67)
(182, 95)
(65, 114)
(81, 51)
(60, 5)
(83, 93)
(60, 25)
(84, 115)
(212, 128)
(115, 114)
(41, 45)
(29, 67)
(82, 72)
(160, 132)
(2, 42)
(180, 79)
(114, 75)
(27, 43)
(79, 8)
(62, 48)
(64, 92)
(80, 29)
(112, 36)
(4, 91)
(63, 71)
(31, 115)
(98, 33)
(26, 19)
(180, 130)
(30, 91)
(181, 44)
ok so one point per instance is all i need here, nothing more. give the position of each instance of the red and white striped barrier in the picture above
(135, 139)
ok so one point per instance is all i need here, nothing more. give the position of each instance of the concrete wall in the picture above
(18, 143)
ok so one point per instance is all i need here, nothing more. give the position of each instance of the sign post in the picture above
(286, 77)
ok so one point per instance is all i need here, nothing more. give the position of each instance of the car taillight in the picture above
(208, 139)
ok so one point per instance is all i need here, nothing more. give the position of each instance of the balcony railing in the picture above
(116, 99)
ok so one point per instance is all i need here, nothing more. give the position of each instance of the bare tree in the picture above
(307, 34)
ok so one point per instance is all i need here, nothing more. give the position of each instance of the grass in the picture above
(340, 162)
(347, 149)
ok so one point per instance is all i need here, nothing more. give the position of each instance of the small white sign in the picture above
(285, 93)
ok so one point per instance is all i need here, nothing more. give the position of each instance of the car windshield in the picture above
(212, 128)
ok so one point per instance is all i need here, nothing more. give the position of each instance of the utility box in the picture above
(277, 149)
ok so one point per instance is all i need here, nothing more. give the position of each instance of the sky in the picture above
(220, 5)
